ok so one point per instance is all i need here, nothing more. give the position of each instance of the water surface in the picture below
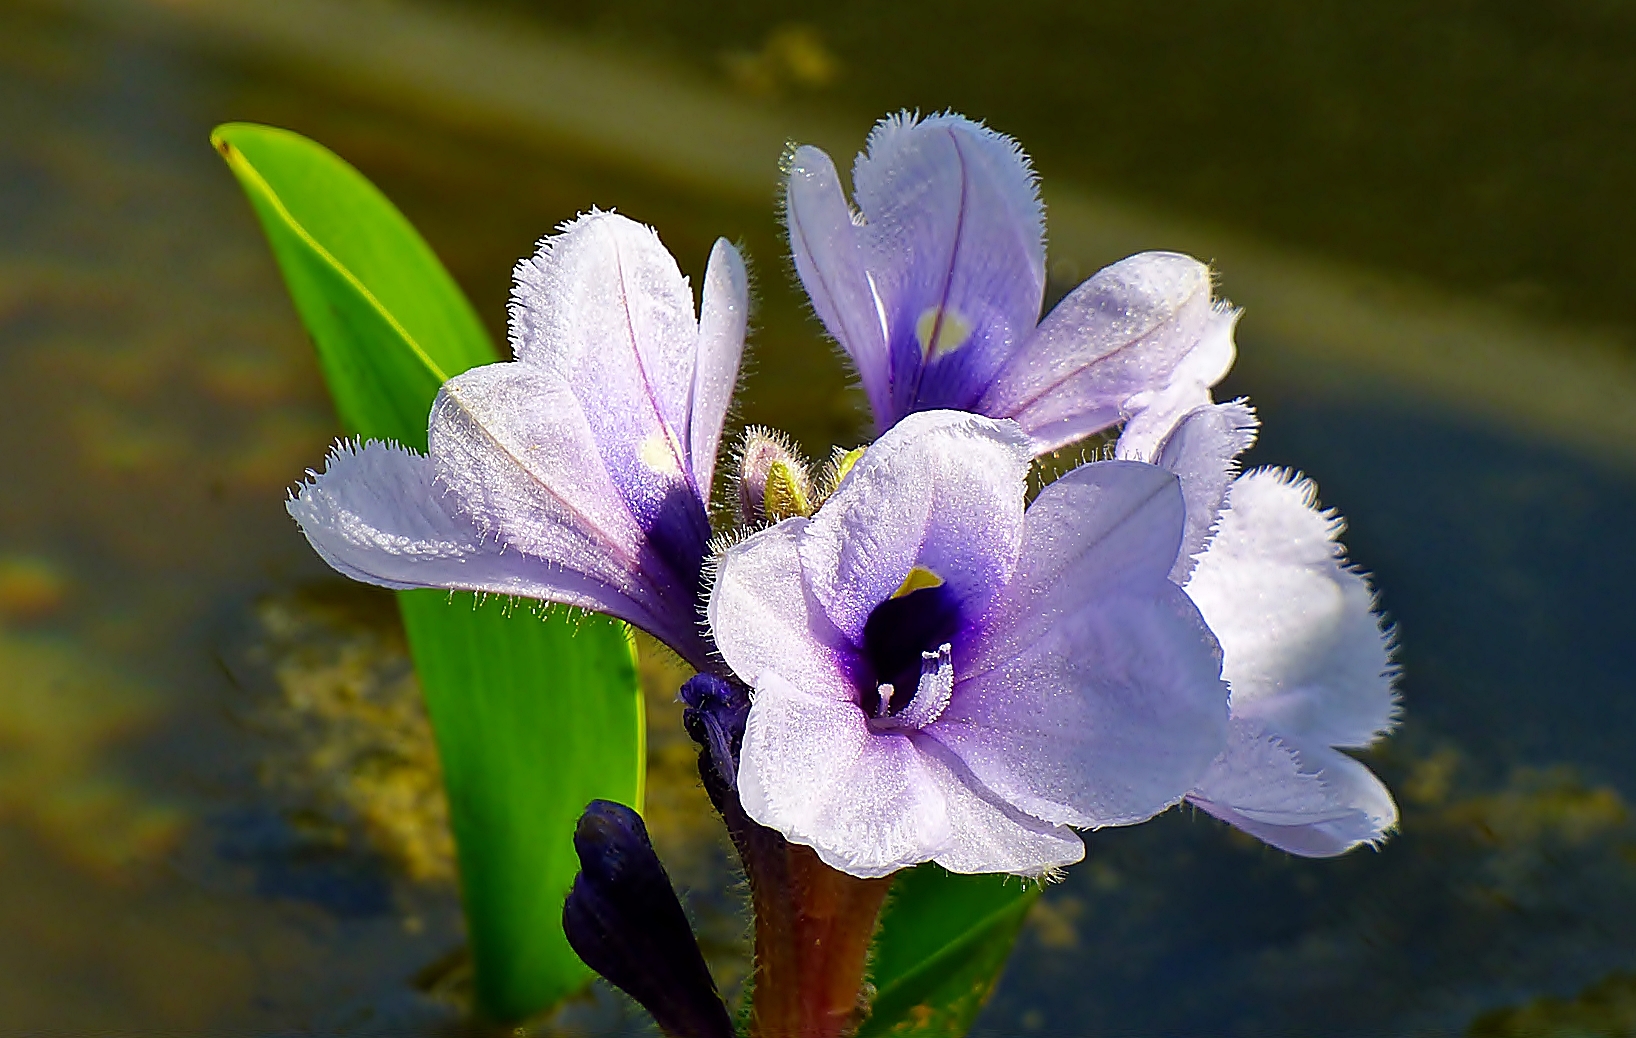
(218, 809)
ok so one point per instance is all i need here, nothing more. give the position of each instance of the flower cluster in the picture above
(937, 672)
(905, 658)
(911, 661)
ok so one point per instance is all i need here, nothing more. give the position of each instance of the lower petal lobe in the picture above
(987, 834)
(1305, 799)
(378, 514)
(1122, 332)
(1108, 715)
(813, 769)
(1302, 646)
(765, 619)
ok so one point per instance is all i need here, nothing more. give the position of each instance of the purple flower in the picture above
(578, 473)
(940, 675)
(1306, 656)
(934, 289)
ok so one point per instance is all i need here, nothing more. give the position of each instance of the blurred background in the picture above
(219, 808)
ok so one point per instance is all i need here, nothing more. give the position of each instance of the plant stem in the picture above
(813, 926)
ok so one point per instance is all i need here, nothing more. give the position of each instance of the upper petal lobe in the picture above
(1203, 453)
(723, 313)
(943, 490)
(954, 235)
(830, 260)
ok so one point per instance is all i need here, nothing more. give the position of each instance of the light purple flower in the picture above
(940, 675)
(1304, 652)
(578, 473)
(934, 287)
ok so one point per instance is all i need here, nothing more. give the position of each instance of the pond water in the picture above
(219, 810)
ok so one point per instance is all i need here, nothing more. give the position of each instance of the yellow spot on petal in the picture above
(657, 454)
(941, 331)
(919, 577)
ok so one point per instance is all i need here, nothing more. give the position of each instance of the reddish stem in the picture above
(813, 923)
(813, 926)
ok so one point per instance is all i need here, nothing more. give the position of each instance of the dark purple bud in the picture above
(623, 919)
(715, 716)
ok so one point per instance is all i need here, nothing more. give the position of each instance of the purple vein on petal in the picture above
(647, 383)
(953, 264)
(617, 550)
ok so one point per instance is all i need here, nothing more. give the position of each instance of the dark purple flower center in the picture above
(898, 631)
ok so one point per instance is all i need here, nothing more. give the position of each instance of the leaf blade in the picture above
(489, 691)
(943, 942)
(353, 265)
(389, 325)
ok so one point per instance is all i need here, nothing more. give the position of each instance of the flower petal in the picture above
(513, 444)
(1203, 453)
(1155, 412)
(1093, 696)
(955, 238)
(377, 515)
(1302, 648)
(604, 305)
(1109, 716)
(811, 769)
(1308, 800)
(765, 621)
(722, 317)
(1100, 528)
(942, 490)
(830, 260)
(990, 835)
(1125, 331)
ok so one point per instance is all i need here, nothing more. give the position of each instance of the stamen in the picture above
(922, 615)
(931, 697)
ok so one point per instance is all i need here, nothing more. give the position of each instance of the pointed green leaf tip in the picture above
(534, 716)
(389, 323)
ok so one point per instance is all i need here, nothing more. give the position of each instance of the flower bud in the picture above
(773, 483)
(623, 919)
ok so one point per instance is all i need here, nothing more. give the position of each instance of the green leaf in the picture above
(534, 715)
(943, 941)
(389, 323)
(538, 717)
